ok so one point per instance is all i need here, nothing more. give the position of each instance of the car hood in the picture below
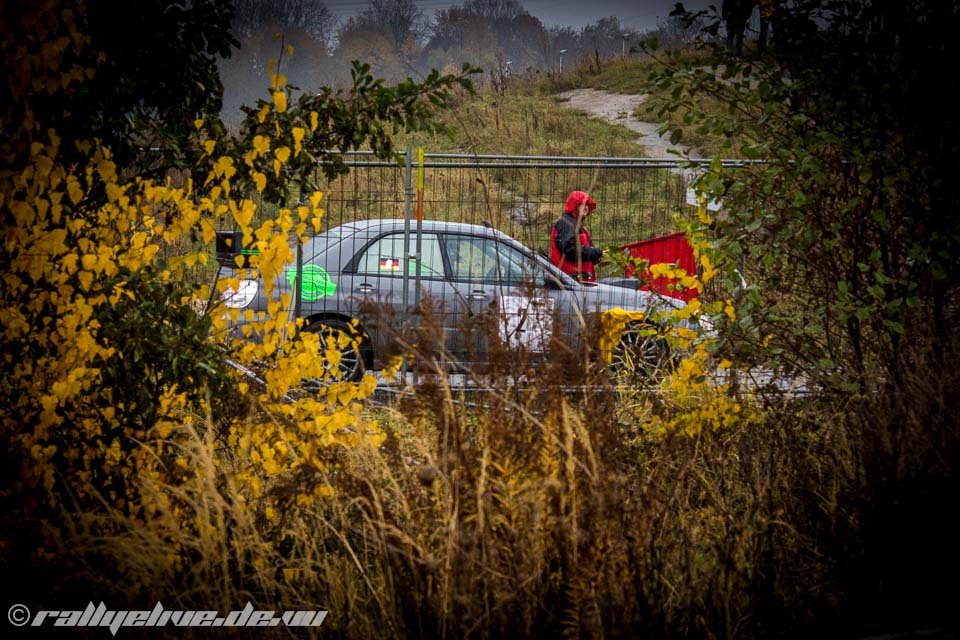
(604, 296)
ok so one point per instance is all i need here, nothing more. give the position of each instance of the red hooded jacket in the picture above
(565, 239)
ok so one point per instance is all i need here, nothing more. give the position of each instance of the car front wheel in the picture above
(340, 336)
(641, 354)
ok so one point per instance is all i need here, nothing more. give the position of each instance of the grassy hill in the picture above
(524, 117)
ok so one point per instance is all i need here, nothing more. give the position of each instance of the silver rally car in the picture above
(354, 277)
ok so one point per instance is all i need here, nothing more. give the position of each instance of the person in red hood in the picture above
(570, 246)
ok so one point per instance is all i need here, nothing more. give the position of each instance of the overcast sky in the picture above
(639, 14)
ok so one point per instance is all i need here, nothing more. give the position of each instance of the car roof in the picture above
(379, 225)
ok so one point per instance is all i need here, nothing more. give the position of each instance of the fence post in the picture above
(298, 289)
(407, 206)
(419, 258)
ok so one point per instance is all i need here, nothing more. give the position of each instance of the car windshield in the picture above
(319, 243)
(552, 272)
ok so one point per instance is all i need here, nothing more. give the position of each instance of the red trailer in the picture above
(673, 249)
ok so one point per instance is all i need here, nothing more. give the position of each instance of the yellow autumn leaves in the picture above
(694, 395)
(291, 431)
(78, 235)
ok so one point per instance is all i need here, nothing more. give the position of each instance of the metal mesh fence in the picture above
(520, 195)
(420, 253)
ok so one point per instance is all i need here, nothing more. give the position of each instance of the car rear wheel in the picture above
(348, 340)
(642, 354)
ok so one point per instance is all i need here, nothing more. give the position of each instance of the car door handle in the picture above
(477, 294)
(365, 287)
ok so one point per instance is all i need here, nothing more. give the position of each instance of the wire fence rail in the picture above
(638, 198)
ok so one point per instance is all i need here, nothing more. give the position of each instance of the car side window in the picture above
(385, 257)
(472, 258)
(517, 268)
(477, 259)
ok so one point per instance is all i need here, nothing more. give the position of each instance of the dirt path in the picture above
(618, 108)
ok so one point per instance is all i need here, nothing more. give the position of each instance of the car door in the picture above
(569, 312)
(502, 295)
(474, 281)
(528, 307)
(375, 280)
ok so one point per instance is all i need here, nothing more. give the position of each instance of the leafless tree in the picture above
(495, 10)
(310, 16)
(676, 33)
(400, 18)
(304, 25)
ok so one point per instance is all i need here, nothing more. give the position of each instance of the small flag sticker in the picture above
(389, 264)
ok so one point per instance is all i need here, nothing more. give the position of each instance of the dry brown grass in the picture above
(545, 510)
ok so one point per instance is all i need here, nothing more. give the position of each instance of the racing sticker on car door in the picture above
(526, 322)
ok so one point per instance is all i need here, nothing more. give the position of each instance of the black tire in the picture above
(351, 367)
(642, 354)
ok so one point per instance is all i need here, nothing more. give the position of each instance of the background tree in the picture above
(849, 238)
(362, 39)
(264, 29)
(604, 38)
(311, 16)
(386, 35)
(509, 30)
(155, 77)
(401, 19)
(459, 35)
(674, 32)
(107, 364)
(562, 38)
(496, 11)
(523, 40)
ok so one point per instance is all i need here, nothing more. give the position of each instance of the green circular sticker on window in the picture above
(316, 282)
